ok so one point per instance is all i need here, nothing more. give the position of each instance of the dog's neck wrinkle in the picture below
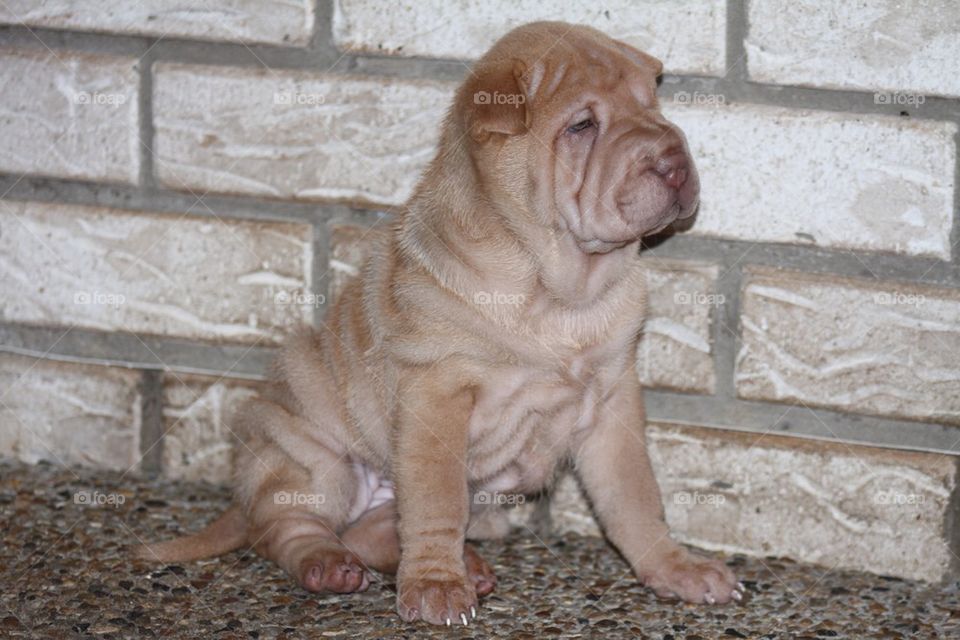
(463, 246)
(576, 279)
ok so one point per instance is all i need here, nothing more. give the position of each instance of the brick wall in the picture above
(179, 189)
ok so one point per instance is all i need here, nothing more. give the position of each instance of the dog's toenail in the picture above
(736, 595)
(463, 618)
(473, 612)
(741, 587)
(448, 622)
(709, 598)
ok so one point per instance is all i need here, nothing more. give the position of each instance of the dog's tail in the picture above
(226, 533)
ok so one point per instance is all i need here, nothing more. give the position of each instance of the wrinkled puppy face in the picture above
(569, 119)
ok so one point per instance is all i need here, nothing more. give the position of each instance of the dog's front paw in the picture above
(694, 579)
(447, 601)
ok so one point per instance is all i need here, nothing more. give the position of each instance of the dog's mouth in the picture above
(642, 208)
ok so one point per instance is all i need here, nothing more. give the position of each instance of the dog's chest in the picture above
(526, 417)
(534, 406)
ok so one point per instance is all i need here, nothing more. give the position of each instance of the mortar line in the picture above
(321, 278)
(736, 63)
(766, 417)
(955, 231)
(322, 36)
(147, 180)
(920, 271)
(163, 200)
(951, 522)
(134, 351)
(151, 421)
(724, 316)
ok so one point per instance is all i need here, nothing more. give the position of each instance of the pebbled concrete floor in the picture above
(65, 572)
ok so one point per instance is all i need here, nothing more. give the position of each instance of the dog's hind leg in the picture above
(294, 512)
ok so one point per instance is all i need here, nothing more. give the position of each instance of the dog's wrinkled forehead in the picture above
(588, 62)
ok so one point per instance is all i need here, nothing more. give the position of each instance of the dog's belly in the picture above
(373, 490)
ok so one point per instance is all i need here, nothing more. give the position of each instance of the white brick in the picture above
(294, 135)
(883, 45)
(840, 506)
(69, 116)
(690, 37)
(69, 414)
(847, 181)
(252, 21)
(856, 345)
(676, 349)
(831, 504)
(198, 426)
(155, 274)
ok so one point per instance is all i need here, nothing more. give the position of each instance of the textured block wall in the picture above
(179, 188)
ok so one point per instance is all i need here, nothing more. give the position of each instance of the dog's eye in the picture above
(580, 126)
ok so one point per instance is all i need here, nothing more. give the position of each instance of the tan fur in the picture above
(226, 533)
(415, 377)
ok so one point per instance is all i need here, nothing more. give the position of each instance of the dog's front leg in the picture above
(615, 469)
(432, 500)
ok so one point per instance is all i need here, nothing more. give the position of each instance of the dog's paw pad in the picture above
(333, 570)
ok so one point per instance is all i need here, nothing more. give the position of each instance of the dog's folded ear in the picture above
(496, 100)
(641, 58)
